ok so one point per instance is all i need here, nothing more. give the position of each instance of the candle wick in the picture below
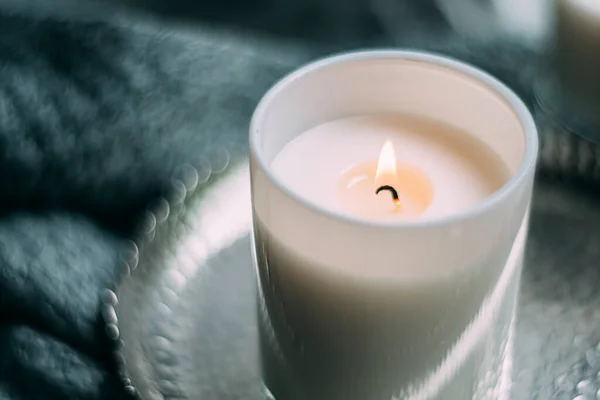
(391, 190)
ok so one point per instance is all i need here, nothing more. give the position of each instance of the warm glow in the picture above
(387, 161)
(384, 188)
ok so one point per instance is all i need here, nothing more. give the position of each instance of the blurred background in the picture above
(334, 20)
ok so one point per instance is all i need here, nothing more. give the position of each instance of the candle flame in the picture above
(387, 160)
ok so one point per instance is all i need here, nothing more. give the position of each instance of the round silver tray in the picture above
(183, 316)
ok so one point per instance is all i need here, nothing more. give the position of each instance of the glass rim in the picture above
(526, 166)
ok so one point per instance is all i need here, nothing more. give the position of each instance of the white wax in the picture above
(462, 170)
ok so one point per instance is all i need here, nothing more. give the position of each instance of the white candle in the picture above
(365, 298)
(439, 171)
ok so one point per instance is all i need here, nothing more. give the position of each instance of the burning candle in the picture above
(388, 189)
(440, 170)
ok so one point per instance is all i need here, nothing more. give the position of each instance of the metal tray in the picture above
(183, 316)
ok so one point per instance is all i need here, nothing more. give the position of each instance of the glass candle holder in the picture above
(422, 308)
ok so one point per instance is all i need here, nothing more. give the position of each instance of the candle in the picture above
(398, 294)
(439, 171)
(577, 52)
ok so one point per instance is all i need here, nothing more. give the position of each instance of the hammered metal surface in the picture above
(186, 315)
